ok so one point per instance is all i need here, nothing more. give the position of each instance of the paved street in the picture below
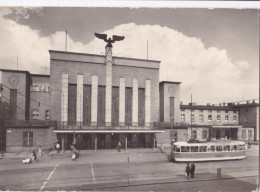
(109, 170)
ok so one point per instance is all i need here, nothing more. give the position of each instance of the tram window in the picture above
(203, 149)
(178, 149)
(243, 147)
(194, 149)
(234, 148)
(239, 147)
(183, 149)
(219, 148)
(212, 148)
(187, 149)
(224, 148)
(228, 147)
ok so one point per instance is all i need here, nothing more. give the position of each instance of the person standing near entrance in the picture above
(192, 170)
(119, 146)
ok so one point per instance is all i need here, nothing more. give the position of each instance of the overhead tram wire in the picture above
(13, 104)
(26, 96)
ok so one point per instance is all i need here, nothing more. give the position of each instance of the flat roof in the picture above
(171, 82)
(207, 107)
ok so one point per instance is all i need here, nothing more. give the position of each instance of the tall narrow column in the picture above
(108, 103)
(122, 102)
(64, 98)
(94, 99)
(147, 103)
(135, 103)
(79, 111)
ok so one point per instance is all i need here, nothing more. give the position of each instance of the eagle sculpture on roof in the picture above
(109, 40)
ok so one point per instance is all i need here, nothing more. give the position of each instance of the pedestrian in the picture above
(58, 146)
(34, 157)
(192, 170)
(119, 146)
(187, 170)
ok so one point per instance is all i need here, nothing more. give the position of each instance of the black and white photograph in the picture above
(98, 98)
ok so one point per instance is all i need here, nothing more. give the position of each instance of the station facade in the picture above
(100, 100)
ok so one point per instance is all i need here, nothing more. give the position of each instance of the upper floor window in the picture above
(209, 118)
(192, 117)
(204, 134)
(245, 118)
(218, 111)
(47, 114)
(210, 111)
(194, 134)
(201, 111)
(218, 119)
(201, 118)
(226, 119)
(250, 134)
(182, 110)
(234, 111)
(246, 110)
(28, 138)
(226, 111)
(182, 117)
(243, 134)
(234, 118)
(35, 114)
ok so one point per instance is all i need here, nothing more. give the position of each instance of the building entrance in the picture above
(114, 140)
(101, 141)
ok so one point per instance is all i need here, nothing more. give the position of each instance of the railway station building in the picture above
(100, 100)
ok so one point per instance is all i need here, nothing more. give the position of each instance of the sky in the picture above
(213, 52)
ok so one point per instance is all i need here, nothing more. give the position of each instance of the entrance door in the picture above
(86, 143)
(234, 133)
(129, 140)
(217, 134)
(101, 141)
(227, 133)
(141, 140)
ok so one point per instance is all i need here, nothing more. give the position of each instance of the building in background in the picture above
(25, 126)
(100, 100)
(248, 118)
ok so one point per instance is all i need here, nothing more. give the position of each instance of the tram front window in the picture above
(212, 148)
(176, 148)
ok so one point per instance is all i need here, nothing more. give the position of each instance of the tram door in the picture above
(114, 141)
(101, 141)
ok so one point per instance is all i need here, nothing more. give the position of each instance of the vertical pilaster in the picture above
(122, 102)
(135, 103)
(64, 98)
(147, 103)
(108, 103)
(94, 98)
(79, 110)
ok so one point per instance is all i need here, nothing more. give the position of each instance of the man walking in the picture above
(192, 170)
(188, 170)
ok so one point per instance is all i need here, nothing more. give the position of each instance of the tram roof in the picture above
(220, 142)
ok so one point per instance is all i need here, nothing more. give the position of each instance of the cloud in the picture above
(207, 73)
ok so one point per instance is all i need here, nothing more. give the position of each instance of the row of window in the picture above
(194, 135)
(201, 118)
(209, 111)
(249, 135)
(209, 148)
(36, 114)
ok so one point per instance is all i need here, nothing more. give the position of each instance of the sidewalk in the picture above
(152, 181)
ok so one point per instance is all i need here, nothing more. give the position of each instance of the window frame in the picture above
(27, 138)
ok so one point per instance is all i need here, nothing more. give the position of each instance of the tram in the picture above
(208, 151)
